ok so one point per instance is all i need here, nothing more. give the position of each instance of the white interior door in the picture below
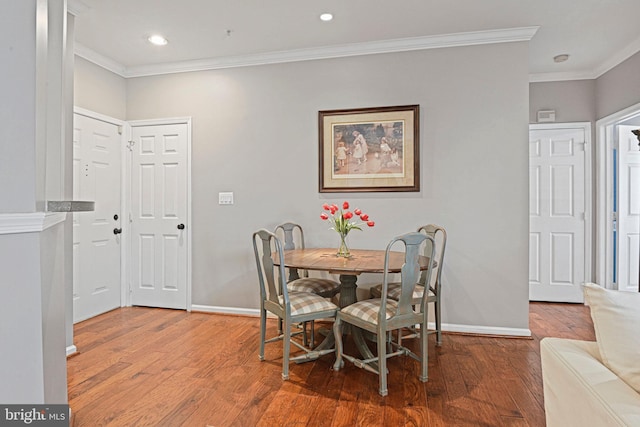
(96, 249)
(628, 209)
(159, 213)
(556, 214)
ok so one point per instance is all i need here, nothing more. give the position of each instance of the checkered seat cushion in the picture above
(313, 284)
(394, 291)
(305, 303)
(368, 309)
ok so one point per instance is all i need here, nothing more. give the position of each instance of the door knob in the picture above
(180, 226)
(117, 231)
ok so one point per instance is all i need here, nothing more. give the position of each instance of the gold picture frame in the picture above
(369, 149)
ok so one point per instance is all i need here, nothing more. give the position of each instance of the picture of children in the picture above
(357, 151)
(385, 152)
(341, 154)
(394, 158)
(363, 143)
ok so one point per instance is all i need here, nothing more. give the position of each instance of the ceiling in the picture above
(597, 34)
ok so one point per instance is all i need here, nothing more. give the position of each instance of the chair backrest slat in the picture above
(272, 285)
(439, 235)
(410, 272)
(293, 238)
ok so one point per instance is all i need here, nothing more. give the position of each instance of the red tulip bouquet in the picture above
(343, 221)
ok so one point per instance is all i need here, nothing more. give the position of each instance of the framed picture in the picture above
(369, 149)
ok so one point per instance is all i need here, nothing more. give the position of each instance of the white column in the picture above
(33, 81)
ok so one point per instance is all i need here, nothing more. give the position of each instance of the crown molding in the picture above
(337, 51)
(618, 58)
(561, 76)
(100, 60)
(34, 222)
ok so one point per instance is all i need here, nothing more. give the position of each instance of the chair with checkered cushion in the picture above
(291, 308)
(383, 315)
(299, 280)
(439, 234)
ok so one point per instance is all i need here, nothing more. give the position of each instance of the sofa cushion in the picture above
(616, 320)
(579, 391)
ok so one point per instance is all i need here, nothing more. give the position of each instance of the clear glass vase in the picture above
(343, 249)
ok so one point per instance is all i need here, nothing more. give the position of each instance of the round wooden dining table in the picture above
(360, 261)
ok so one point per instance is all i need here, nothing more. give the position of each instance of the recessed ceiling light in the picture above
(157, 40)
(326, 17)
(561, 58)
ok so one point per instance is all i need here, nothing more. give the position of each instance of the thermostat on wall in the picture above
(546, 116)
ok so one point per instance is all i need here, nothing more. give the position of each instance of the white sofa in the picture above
(580, 391)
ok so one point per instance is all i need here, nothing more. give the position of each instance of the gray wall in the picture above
(618, 88)
(573, 101)
(99, 90)
(255, 133)
(588, 100)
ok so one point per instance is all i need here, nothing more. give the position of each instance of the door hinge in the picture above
(130, 145)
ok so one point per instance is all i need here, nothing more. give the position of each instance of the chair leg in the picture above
(424, 349)
(382, 362)
(263, 332)
(313, 332)
(337, 333)
(438, 322)
(286, 344)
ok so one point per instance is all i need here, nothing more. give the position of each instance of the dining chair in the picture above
(299, 280)
(439, 234)
(383, 315)
(290, 307)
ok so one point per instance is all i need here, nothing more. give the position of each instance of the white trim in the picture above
(604, 202)
(34, 222)
(588, 188)
(253, 312)
(160, 122)
(486, 330)
(619, 57)
(560, 76)
(92, 56)
(337, 51)
(71, 349)
(615, 60)
(446, 327)
(97, 116)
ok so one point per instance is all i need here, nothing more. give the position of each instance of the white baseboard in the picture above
(253, 312)
(484, 330)
(72, 349)
(446, 327)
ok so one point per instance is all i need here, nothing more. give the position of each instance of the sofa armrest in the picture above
(580, 391)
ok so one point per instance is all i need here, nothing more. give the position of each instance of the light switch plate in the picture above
(225, 198)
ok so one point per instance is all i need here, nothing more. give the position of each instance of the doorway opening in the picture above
(618, 200)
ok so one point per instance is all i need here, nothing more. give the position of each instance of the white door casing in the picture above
(558, 246)
(628, 208)
(96, 249)
(160, 189)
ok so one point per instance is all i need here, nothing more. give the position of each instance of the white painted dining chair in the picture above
(439, 234)
(383, 315)
(299, 280)
(290, 307)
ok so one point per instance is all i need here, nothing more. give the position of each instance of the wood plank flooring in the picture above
(153, 367)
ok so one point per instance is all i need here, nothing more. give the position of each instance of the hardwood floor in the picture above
(154, 367)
